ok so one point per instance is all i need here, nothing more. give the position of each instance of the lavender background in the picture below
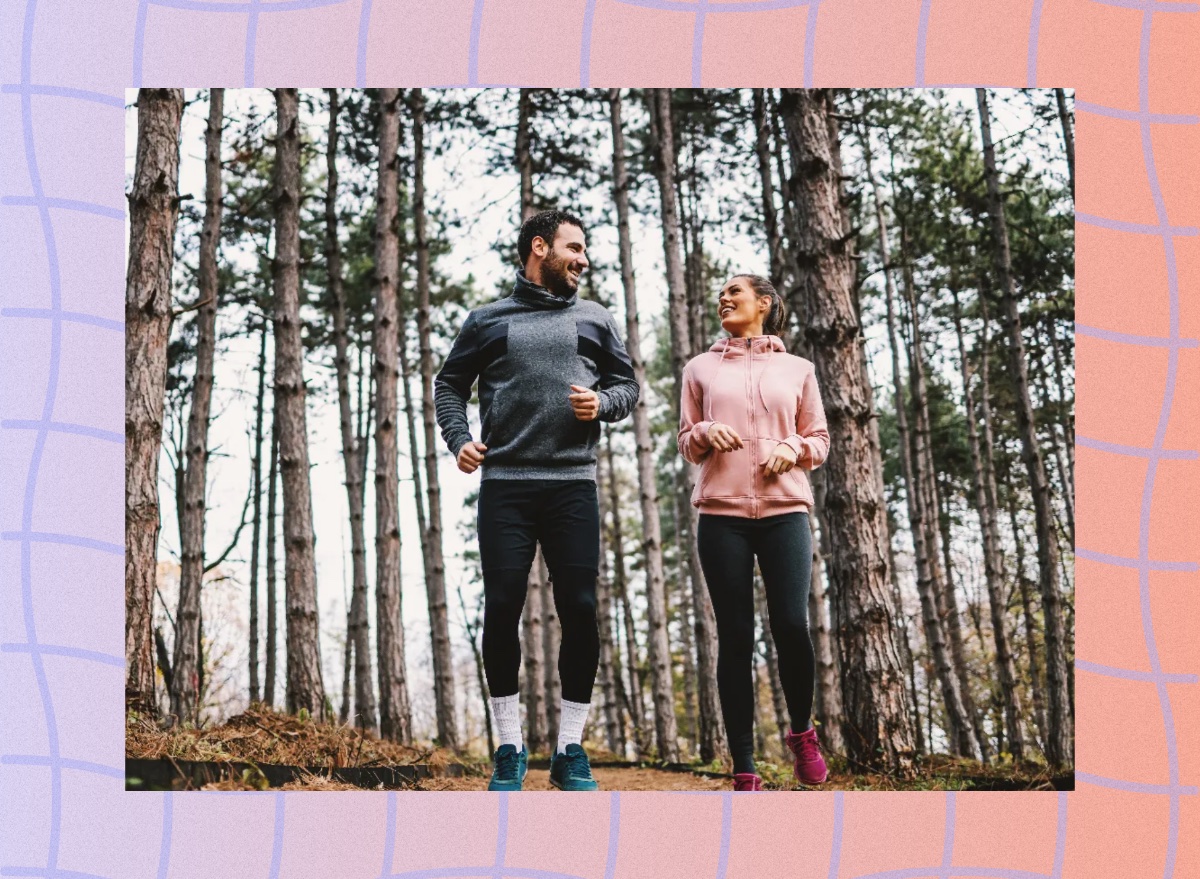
(63, 812)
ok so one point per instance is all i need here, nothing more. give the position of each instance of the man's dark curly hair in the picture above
(543, 225)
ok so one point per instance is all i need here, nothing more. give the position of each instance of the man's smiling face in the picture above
(565, 261)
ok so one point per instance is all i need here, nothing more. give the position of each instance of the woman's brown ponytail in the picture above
(776, 318)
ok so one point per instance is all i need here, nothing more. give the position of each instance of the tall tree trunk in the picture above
(1064, 117)
(1041, 382)
(960, 734)
(658, 645)
(604, 592)
(993, 569)
(435, 583)
(272, 601)
(962, 716)
(395, 712)
(305, 688)
(255, 694)
(359, 631)
(878, 727)
(687, 649)
(551, 642)
(712, 733)
(828, 693)
(1037, 692)
(185, 697)
(1059, 747)
(524, 160)
(637, 710)
(762, 148)
(532, 662)
(347, 661)
(153, 212)
(1036, 678)
(906, 645)
(480, 677)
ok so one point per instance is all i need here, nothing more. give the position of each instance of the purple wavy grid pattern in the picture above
(37, 313)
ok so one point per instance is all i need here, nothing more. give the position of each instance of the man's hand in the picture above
(470, 457)
(783, 459)
(585, 402)
(723, 438)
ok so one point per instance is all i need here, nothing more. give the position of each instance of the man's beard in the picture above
(556, 279)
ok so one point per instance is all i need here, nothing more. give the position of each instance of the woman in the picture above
(751, 417)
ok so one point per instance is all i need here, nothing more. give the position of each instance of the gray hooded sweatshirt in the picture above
(527, 349)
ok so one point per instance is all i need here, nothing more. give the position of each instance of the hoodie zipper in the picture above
(754, 470)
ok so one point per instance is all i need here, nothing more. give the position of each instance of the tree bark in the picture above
(305, 688)
(762, 149)
(1059, 739)
(1064, 117)
(435, 584)
(878, 727)
(637, 710)
(551, 642)
(272, 601)
(523, 158)
(532, 663)
(185, 695)
(353, 447)
(711, 733)
(153, 212)
(395, 712)
(993, 568)
(960, 734)
(828, 693)
(255, 694)
(604, 592)
(658, 644)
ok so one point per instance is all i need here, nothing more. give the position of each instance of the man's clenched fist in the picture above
(470, 457)
(585, 402)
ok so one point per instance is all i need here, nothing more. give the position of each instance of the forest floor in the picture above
(263, 737)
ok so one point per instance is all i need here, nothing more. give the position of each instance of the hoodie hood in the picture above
(538, 296)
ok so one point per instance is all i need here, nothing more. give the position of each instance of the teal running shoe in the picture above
(572, 771)
(510, 766)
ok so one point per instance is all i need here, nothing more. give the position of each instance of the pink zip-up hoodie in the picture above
(769, 397)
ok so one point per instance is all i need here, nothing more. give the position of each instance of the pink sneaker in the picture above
(746, 781)
(810, 766)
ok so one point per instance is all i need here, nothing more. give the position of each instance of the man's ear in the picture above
(545, 247)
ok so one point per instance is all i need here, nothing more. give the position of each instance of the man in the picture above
(551, 367)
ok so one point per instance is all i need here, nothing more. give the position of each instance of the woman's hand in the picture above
(723, 438)
(783, 459)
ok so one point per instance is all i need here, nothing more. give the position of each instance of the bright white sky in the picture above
(460, 182)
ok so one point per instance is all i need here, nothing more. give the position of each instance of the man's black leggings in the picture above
(783, 545)
(514, 516)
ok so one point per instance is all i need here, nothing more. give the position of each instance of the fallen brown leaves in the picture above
(261, 735)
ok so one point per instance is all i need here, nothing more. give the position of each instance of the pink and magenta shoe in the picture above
(746, 781)
(810, 766)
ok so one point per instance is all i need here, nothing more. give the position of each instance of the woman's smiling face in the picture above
(741, 309)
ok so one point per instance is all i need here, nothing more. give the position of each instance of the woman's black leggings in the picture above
(783, 546)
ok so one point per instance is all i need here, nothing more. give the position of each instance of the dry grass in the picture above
(260, 735)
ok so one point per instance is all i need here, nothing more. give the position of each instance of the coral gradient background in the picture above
(64, 65)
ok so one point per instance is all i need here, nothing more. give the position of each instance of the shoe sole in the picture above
(555, 783)
(824, 779)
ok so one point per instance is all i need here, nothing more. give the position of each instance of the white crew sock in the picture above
(571, 718)
(507, 711)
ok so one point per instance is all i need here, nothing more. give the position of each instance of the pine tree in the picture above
(153, 213)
